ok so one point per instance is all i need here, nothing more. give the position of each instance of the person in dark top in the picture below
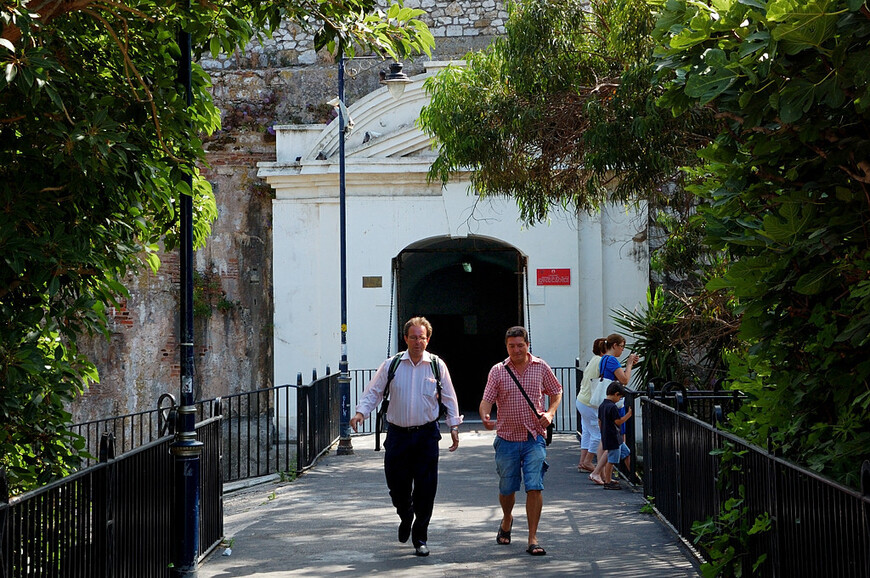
(611, 439)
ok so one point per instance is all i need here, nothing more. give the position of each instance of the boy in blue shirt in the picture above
(611, 440)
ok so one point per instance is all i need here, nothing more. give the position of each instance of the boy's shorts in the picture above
(515, 458)
(617, 455)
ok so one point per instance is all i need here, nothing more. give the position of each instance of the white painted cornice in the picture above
(394, 159)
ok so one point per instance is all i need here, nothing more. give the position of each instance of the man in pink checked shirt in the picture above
(411, 447)
(520, 446)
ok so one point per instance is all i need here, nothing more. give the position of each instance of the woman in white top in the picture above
(590, 437)
(611, 370)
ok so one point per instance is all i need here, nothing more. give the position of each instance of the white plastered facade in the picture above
(389, 206)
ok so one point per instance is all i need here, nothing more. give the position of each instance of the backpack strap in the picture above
(436, 371)
(391, 373)
(394, 365)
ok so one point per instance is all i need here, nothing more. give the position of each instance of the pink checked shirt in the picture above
(515, 418)
(413, 393)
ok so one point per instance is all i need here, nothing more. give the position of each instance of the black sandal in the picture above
(504, 538)
(535, 550)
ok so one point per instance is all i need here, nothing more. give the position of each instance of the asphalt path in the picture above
(336, 520)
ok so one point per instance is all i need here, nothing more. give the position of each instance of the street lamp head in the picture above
(395, 80)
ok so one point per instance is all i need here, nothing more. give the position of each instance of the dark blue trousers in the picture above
(411, 469)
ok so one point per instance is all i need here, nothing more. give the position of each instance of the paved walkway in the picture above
(336, 520)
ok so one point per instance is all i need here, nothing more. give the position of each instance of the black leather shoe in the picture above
(421, 550)
(405, 529)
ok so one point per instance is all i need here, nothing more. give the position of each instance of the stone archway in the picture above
(471, 290)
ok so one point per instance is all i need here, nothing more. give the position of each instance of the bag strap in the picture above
(391, 373)
(394, 365)
(436, 371)
(523, 391)
(601, 366)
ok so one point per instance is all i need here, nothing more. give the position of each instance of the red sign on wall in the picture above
(554, 276)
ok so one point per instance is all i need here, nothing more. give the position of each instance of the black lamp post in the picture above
(396, 80)
(186, 449)
(345, 447)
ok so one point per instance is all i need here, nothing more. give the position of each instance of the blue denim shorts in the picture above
(617, 455)
(520, 460)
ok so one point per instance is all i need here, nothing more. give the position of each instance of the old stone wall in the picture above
(279, 81)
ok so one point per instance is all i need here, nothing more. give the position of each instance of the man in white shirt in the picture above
(411, 447)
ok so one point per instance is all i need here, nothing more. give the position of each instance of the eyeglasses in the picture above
(416, 338)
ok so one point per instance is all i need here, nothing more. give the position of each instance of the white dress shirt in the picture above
(413, 393)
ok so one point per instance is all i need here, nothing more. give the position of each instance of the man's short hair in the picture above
(422, 322)
(517, 331)
(615, 387)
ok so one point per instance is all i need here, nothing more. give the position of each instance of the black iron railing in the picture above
(211, 530)
(259, 438)
(261, 433)
(702, 404)
(252, 446)
(133, 430)
(359, 379)
(818, 527)
(129, 431)
(112, 519)
(318, 414)
(566, 416)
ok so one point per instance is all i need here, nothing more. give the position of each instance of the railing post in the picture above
(578, 379)
(104, 507)
(865, 491)
(301, 423)
(865, 479)
(631, 435)
(4, 514)
(681, 401)
(776, 536)
(648, 459)
(678, 469)
(718, 416)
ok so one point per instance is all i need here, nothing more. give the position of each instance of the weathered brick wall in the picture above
(281, 81)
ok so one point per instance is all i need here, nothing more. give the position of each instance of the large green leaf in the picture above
(789, 224)
(802, 24)
(713, 80)
(813, 282)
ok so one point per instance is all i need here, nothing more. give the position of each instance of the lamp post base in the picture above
(345, 447)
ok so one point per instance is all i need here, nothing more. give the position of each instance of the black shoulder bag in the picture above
(531, 405)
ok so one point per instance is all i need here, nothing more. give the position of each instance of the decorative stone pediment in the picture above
(386, 153)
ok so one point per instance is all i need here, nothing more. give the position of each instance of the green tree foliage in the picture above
(565, 106)
(786, 184)
(95, 144)
(681, 337)
(560, 110)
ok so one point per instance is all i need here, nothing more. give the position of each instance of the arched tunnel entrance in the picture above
(471, 290)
